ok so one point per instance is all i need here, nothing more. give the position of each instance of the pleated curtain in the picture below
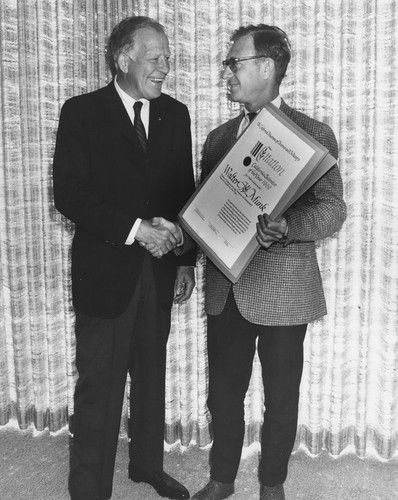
(344, 71)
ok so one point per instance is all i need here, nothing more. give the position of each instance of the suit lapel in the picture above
(118, 115)
(229, 136)
(156, 122)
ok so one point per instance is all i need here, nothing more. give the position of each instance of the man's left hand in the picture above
(269, 231)
(184, 285)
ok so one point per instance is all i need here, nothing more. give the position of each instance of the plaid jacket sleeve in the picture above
(321, 211)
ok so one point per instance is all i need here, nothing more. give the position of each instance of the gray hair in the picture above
(123, 34)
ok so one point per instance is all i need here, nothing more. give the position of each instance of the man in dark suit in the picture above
(280, 291)
(122, 172)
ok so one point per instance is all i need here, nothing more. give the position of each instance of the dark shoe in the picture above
(214, 490)
(165, 485)
(272, 492)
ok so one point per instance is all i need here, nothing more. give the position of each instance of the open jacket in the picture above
(104, 181)
(282, 285)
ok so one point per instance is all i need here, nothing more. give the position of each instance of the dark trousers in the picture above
(231, 349)
(106, 349)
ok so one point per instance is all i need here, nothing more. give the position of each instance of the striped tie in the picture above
(139, 126)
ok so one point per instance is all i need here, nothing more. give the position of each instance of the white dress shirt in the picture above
(129, 102)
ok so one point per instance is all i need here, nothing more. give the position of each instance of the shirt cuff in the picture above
(131, 237)
(182, 236)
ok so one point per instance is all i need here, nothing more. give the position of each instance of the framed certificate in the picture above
(268, 168)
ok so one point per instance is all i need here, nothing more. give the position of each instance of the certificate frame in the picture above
(222, 213)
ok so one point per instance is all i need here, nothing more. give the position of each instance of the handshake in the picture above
(159, 236)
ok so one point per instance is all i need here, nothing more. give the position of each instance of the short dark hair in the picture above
(270, 41)
(122, 36)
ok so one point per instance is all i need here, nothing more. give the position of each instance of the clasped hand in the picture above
(159, 236)
(269, 231)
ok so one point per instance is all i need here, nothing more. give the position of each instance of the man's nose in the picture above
(226, 73)
(164, 64)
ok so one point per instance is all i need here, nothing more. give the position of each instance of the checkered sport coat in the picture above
(282, 285)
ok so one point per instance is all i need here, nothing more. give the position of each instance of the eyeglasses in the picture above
(231, 62)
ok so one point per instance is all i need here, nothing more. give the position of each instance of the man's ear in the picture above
(268, 68)
(122, 62)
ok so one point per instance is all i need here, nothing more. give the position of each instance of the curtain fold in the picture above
(344, 72)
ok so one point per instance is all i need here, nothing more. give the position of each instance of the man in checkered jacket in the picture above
(279, 293)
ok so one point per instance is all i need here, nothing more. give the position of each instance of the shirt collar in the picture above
(276, 102)
(129, 101)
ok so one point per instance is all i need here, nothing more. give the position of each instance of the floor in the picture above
(35, 467)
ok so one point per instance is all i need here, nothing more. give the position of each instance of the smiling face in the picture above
(252, 83)
(145, 66)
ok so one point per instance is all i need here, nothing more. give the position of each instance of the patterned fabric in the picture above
(282, 285)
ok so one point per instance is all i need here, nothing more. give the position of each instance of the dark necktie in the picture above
(139, 126)
(247, 116)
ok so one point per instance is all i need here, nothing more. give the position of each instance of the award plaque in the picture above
(268, 168)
